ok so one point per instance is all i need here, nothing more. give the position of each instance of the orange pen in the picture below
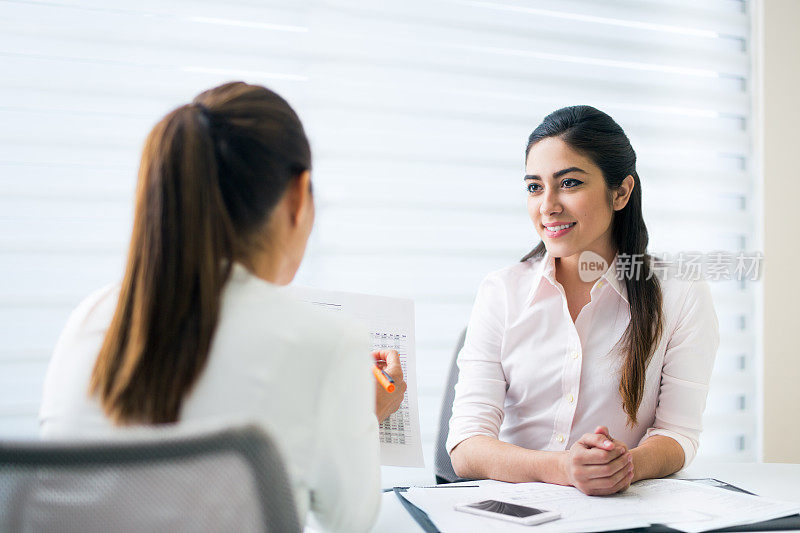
(383, 378)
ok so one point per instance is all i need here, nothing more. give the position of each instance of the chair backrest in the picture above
(443, 466)
(223, 480)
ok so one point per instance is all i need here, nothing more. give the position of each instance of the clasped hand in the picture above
(598, 465)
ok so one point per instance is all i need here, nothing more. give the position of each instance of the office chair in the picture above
(442, 465)
(158, 480)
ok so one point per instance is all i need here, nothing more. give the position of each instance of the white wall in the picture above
(779, 73)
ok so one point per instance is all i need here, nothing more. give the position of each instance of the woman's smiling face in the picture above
(568, 200)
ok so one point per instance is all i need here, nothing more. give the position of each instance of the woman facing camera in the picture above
(574, 374)
(198, 328)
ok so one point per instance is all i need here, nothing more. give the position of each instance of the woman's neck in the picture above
(568, 269)
(276, 268)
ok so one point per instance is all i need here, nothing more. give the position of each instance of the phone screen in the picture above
(510, 509)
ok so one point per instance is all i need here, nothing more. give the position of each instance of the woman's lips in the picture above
(558, 233)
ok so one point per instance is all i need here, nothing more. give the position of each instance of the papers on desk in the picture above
(681, 505)
(390, 322)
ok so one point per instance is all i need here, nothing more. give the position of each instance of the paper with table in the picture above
(390, 322)
(679, 504)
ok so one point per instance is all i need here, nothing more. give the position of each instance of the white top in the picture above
(531, 377)
(301, 372)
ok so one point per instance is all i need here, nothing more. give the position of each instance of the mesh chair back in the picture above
(225, 480)
(443, 466)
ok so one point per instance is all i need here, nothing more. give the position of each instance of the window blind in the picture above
(418, 113)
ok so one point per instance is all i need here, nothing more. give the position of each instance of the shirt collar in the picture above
(546, 270)
(611, 277)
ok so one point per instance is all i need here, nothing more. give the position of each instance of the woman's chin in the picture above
(559, 250)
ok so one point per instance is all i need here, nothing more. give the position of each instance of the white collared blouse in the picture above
(300, 372)
(530, 376)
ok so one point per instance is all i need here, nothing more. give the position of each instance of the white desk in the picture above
(773, 480)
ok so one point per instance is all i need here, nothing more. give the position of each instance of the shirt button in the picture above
(600, 283)
(575, 355)
(570, 398)
(560, 438)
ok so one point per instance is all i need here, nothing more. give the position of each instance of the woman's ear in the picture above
(622, 194)
(301, 203)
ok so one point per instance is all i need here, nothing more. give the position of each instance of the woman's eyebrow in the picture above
(567, 171)
(556, 175)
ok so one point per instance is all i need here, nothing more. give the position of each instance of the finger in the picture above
(621, 445)
(607, 470)
(610, 484)
(393, 366)
(599, 441)
(618, 444)
(393, 360)
(623, 484)
(595, 440)
(380, 355)
(383, 355)
(384, 360)
(598, 456)
(603, 430)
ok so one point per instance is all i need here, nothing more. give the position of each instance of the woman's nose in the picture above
(550, 203)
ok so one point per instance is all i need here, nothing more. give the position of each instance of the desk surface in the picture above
(772, 480)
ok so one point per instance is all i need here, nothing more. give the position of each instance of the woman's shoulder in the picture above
(258, 310)
(515, 274)
(320, 322)
(677, 281)
(684, 294)
(94, 312)
(66, 407)
(510, 285)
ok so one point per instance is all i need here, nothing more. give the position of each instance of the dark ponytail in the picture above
(597, 136)
(211, 172)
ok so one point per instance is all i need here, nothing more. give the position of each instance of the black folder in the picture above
(778, 524)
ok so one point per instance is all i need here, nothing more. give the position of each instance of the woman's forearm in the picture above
(483, 457)
(656, 457)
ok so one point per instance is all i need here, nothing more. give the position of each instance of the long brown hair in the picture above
(597, 136)
(210, 174)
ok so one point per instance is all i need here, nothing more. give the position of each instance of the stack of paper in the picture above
(681, 505)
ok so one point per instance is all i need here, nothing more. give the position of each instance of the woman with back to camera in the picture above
(198, 328)
(570, 379)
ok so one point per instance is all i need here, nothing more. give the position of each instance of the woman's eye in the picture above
(571, 182)
(533, 187)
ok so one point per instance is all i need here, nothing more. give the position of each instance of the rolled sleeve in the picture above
(481, 389)
(688, 444)
(688, 362)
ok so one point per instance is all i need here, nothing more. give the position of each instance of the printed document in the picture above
(390, 322)
(679, 504)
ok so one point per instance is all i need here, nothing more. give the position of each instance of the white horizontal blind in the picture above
(418, 113)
